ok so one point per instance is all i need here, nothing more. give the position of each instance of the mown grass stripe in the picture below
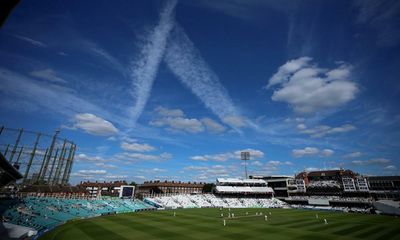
(391, 233)
(285, 223)
(199, 224)
(350, 229)
(304, 224)
(327, 227)
(369, 232)
(152, 229)
(96, 231)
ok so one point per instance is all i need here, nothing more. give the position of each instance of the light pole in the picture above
(245, 156)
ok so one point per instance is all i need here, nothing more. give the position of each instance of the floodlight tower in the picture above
(245, 156)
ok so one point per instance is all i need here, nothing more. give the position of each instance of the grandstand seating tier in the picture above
(210, 200)
(46, 213)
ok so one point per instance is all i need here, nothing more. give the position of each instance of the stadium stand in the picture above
(340, 183)
(149, 188)
(384, 187)
(210, 200)
(237, 186)
(42, 213)
(42, 207)
(279, 183)
(229, 193)
(388, 207)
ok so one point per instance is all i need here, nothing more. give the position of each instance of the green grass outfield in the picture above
(208, 224)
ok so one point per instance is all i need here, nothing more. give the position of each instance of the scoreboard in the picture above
(127, 191)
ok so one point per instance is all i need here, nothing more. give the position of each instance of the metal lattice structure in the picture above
(245, 156)
(41, 158)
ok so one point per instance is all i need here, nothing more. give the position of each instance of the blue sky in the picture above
(177, 89)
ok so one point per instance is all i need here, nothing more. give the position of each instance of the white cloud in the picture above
(190, 168)
(201, 158)
(222, 157)
(175, 120)
(166, 112)
(185, 61)
(112, 139)
(134, 157)
(116, 177)
(287, 69)
(190, 125)
(307, 151)
(297, 119)
(153, 170)
(256, 163)
(301, 127)
(323, 130)
(48, 74)
(274, 166)
(278, 163)
(373, 161)
(312, 151)
(390, 167)
(93, 124)
(217, 170)
(144, 70)
(327, 152)
(92, 172)
(254, 153)
(213, 126)
(137, 147)
(100, 160)
(104, 165)
(89, 174)
(353, 155)
(81, 157)
(129, 139)
(234, 121)
(308, 88)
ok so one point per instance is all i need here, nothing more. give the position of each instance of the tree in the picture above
(208, 187)
(133, 183)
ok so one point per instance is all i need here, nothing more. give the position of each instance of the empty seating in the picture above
(46, 213)
(210, 200)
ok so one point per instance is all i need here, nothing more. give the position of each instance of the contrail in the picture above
(185, 61)
(144, 70)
